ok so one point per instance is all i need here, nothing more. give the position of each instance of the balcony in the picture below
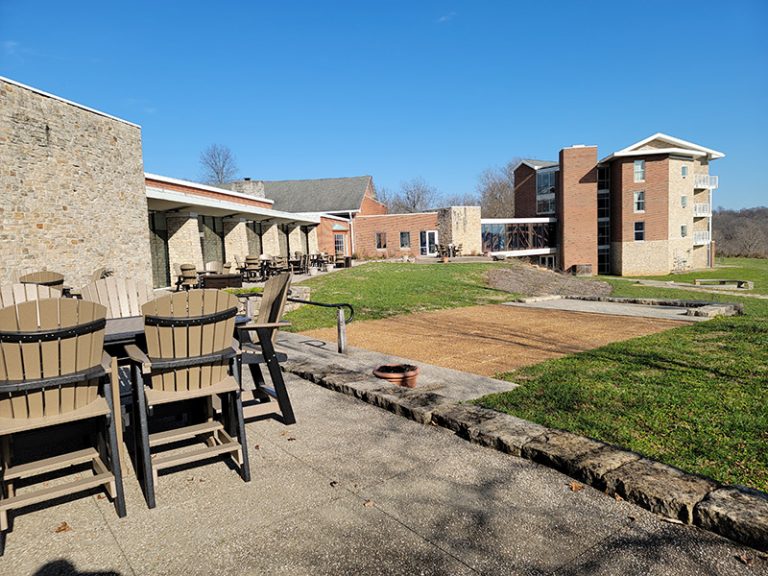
(704, 181)
(700, 238)
(702, 209)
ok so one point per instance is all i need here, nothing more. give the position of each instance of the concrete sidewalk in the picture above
(352, 489)
(613, 309)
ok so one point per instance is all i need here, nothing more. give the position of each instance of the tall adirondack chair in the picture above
(262, 351)
(214, 266)
(189, 277)
(53, 371)
(189, 355)
(123, 297)
(12, 294)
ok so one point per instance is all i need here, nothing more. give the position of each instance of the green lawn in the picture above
(735, 268)
(379, 290)
(695, 397)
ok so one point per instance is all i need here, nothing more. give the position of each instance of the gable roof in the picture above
(661, 143)
(536, 164)
(319, 195)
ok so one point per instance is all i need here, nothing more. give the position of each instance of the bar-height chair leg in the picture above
(268, 350)
(245, 467)
(114, 456)
(142, 446)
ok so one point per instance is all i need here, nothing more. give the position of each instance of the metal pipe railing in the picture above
(341, 319)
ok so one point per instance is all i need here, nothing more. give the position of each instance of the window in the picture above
(684, 201)
(546, 182)
(640, 201)
(684, 230)
(545, 206)
(604, 233)
(603, 206)
(381, 240)
(338, 244)
(405, 239)
(603, 178)
(639, 231)
(684, 171)
(639, 170)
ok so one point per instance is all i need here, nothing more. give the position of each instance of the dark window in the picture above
(603, 233)
(381, 240)
(405, 239)
(639, 231)
(604, 178)
(603, 206)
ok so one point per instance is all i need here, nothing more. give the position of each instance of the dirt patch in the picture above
(534, 281)
(492, 339)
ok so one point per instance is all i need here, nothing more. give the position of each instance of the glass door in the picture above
(428, 242)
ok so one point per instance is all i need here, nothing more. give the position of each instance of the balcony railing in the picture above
(705, 181)
(702, 209)
(700, 238)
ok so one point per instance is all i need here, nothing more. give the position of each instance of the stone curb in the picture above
(735, 512)
(703, 307)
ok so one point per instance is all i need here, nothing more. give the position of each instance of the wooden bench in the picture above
(745, 284)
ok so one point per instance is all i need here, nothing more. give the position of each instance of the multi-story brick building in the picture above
(645, 209)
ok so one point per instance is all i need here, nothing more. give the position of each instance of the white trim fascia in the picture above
(535, 166)
(541, 220)
(523, 253)
(206, 187)
(65, 101)
(323, 215)
(196, 200)
(679, 141)
(654, 152)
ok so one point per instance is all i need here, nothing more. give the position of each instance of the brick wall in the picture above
(366, 227)
(525, 192)
(369, 206)
(72, 181)
(325, 236)
(197, 191)
(576, 200)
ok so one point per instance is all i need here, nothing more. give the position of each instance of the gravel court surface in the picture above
(495, 338)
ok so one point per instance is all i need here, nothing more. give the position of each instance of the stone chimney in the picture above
(253, 188)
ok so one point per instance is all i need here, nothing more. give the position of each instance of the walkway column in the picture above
(183, 240)
(235, 239)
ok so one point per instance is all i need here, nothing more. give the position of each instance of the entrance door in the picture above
(428, 242)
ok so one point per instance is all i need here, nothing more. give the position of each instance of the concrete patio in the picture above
(353, 489)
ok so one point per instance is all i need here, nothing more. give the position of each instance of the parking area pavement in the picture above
(352, 489)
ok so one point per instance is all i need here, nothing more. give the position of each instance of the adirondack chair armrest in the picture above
(106, 362)
(135, 354)
(273, 325)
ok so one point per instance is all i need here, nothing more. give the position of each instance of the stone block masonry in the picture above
(73, 190)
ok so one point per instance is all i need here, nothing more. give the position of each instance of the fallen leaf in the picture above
(617, 498)
(63, 527)
(291, 439)
(576, 486)
(100, 496)
(257, 447)
(744, 559)
(334, 483)
(368, 503)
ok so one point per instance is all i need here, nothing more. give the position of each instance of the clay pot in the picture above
(400, 374)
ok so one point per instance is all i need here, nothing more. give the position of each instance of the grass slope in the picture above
(383, 289)
(732, 268)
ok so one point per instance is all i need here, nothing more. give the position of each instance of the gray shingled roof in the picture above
(539, 163)
(320, 195)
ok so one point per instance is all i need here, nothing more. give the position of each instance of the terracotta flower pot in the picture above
(400, 374)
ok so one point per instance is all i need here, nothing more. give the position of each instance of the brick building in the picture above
(645, 209)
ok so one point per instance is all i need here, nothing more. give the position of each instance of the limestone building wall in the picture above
(460, 225)
(72, 181)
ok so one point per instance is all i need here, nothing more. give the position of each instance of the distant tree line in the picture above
(741, 232)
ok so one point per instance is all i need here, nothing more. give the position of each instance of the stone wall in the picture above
(640, 258)
(184, 241)
(460, 225)
(235, 239)
(73, 190)
(680, 247)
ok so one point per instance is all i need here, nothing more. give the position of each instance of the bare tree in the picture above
(466, 199)
(497, 191)
(218, 164)
(741, 232)
(414, 196)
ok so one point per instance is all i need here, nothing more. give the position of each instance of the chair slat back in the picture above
(273, 300)
(11, 294)
(40, 357)
(98, 274)
(190, 339)
(123, 297)
(213, 266)
(45, 277)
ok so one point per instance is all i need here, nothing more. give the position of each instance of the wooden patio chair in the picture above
(123, 297)
(179, 276)
(44, 278)
(189, 354)
(12, 294)
(189, 278)
(262, 351)
(53, 371)
(214, 267)
(254, 268)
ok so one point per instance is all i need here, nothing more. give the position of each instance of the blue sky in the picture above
(439, 90)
